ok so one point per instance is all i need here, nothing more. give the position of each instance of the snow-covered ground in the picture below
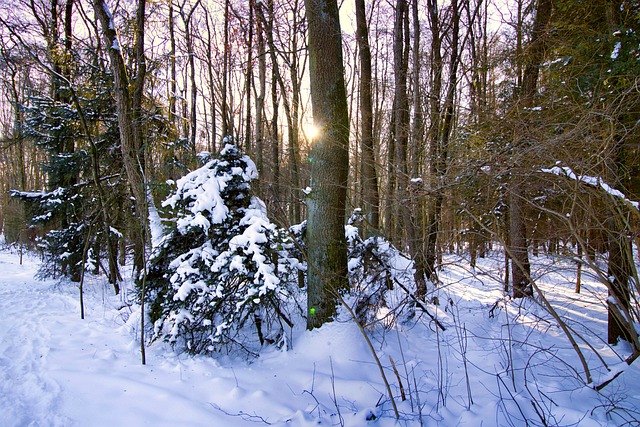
(496, 364)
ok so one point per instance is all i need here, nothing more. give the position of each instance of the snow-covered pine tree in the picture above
(222, 277)
(53, 126)
(68, 209)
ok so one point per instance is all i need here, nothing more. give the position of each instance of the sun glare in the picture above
(311, 131)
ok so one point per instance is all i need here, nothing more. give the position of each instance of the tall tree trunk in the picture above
(193, 114)
(226, 127)
(248, 82)
(191, 60)
(368, 174)
(294, 143)
(170, 153)
(329, 158)
(622, 272)
(261, 92)
(212, 88)
(128, 107)
(441, 159)
(520, 270)
(17, 134)
(417, 127)
(434, 206)
(173, 83)
(402, 122)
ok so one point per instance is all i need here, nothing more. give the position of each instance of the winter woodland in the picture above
(292, 213)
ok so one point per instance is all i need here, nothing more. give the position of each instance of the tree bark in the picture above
(329, 158)
(434, 207)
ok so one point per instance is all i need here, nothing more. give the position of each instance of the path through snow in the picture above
(57, 370)
(28, 393)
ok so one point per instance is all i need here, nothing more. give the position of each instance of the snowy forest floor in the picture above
(498, 363)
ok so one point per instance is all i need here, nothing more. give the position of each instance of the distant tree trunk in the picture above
(390, 206)
(212, 88)
(193, 98)
(261, 91)
(173, 83)
(170, 153)
(274, 137)
(368, 174)
(291, 110)
(12, 213)
(226, 127)
(248, 81)
(434, 207)
(579, 267)
(329, 158)
(17, 134)
(520, 269)
(294, 143)
(60, 53)
(402, 119)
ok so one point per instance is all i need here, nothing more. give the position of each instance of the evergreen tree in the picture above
(221, 276)
(52, 124)
(69, 208)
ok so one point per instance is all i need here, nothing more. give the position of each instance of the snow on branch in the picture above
(593, 181)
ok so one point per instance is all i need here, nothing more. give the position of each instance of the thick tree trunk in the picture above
(520, 268)
(329, 158)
